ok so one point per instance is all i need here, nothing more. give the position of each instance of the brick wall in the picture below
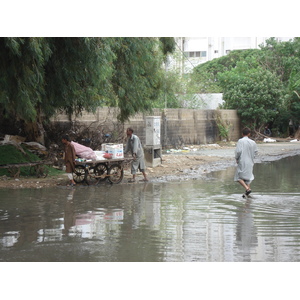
(178, 126)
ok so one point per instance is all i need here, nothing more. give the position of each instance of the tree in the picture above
(22, 75)
(167, 45)
(138, 75)
(283, 59)
(39, 76)
(204, 77)
(173, 85)
(275, 64)
(279, 57)
(77, 74)
(255, 93)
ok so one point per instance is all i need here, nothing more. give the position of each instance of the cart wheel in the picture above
(80, 174)
(115, 173)
(101, 171)
(91, 178)
(93, 175)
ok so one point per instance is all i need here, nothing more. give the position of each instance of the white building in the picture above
(192, 51)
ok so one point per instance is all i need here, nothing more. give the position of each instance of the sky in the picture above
(148, 18)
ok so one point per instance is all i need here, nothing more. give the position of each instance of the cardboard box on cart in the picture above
(115, 149)
(103, 146)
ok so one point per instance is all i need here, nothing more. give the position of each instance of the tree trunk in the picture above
(297, 134)
(35, 132)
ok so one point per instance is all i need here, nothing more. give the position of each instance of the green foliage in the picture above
(224, 127)
(10, 154)
(254, 92)
(172, 96)
(280, 126)
(280, 57)
(138, 78)
(39, 76)
(204, 77)
(77, 74)
(167, 45)
(22, 75)
(283, 59)
(262, 84)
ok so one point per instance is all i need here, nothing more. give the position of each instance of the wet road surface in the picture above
(200, 220)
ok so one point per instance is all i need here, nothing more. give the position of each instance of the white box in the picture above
(116, 150)
(99, 155)
(152, 131)
(103, 146)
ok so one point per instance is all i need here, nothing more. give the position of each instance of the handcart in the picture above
(93, 172)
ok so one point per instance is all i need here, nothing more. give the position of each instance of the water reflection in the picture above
(196, 220)
(69, 215)
(246, 233)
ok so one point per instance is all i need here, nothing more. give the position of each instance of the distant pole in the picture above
(164, 119)
(165, 85)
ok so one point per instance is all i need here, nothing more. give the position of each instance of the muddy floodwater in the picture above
(196, 220)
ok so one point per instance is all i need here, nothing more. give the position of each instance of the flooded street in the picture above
(200, 220)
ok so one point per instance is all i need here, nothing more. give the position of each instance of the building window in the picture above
(216, 51)
(195, 54)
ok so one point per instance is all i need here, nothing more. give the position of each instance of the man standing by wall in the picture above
(135, 147)
(245, 151)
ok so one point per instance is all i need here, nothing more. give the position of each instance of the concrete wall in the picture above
(178, 126)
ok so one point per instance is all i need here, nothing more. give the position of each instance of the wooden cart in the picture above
(93, 172)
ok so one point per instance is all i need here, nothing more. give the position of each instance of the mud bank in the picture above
(185, 165)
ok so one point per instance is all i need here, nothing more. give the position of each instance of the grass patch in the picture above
(55, 172)
(10, 154)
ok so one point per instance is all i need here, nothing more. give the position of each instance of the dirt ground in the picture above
(174, 164)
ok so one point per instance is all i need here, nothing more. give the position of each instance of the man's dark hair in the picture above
(66, 137)
(130, 129)
(246, 131)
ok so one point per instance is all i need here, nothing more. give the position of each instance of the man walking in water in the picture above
(245, 151)
(135, 147)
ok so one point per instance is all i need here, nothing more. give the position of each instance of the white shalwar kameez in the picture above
(246, 150)
(134, 146)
